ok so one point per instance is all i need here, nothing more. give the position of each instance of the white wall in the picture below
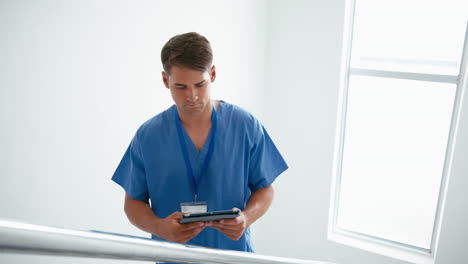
(77, 79)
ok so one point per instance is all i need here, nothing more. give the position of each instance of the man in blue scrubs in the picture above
(198, 155)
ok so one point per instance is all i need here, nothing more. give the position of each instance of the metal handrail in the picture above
(24, 238)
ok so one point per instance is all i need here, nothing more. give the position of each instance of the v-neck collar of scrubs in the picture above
(191, 148)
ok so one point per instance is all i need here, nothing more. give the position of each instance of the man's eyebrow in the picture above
(200, 83)
(181, 84)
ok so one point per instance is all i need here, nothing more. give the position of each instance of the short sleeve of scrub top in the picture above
(266, 162)
(130, 173)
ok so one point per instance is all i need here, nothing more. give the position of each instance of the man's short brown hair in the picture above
(190, 50)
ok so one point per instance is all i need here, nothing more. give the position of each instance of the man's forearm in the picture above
(258, 204)
(140, 214)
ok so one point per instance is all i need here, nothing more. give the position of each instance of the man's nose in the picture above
(192, 94)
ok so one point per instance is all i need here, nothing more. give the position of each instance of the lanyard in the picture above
(183, 146)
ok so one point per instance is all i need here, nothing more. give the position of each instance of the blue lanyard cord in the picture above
(183, 147)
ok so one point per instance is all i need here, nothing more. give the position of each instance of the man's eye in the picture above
(180, 87)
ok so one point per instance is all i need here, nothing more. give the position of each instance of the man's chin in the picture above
(193, 110)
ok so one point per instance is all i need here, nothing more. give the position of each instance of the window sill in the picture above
(382, 247)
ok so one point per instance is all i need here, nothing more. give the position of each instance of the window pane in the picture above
(394, 150)
(423, 36)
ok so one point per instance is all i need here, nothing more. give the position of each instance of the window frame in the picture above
(363, 241)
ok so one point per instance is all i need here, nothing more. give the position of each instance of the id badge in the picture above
(194, 207)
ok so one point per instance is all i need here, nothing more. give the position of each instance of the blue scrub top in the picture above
(244, 160)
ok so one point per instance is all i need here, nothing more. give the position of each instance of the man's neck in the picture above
(197, 120)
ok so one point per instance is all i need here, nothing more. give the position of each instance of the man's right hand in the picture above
(169, 228)
(142, 216)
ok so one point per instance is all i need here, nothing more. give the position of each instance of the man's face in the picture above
(190, 89)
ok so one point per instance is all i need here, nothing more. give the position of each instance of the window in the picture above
(401, 80)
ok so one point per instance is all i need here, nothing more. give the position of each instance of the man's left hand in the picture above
(232, 228)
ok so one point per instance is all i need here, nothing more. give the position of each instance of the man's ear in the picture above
(213, 73)
(165, 77)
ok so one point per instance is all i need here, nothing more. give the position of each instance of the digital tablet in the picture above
(209, 216)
